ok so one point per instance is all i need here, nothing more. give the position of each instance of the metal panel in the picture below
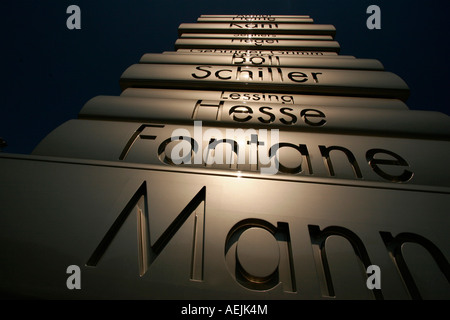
(259, 52)
(251, 27)
(238, 16)
(310, 117)
(255, 19)
(249, 44)
(268, 152)
(244, 60)
(82, 200)
(256, 36)
(264, 97)
(148, 206)
(273, 79)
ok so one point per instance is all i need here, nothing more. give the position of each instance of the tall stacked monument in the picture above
(253, 162)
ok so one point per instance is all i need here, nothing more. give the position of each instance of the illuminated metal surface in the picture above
(283, 61)
(275, 79)
(251, 43)
(325, 244)
(238, 16)
(307, 117)
(260, 52)
(262, 97)
(231, 207)
(300, 154)
(256, 27)
(256, 19)
(257, 36)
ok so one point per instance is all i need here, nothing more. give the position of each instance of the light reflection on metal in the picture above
(255, 19)
(303, 117)
(379, 84)
(264, 44)
(257, 60)
(151, 203)
(266, 97)
(251, 16)
(354, 157)
(256, 36)
(256, 27)
(320, 243)
(295, 53)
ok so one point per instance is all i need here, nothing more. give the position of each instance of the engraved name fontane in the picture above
(262, 150)
(298, 155)
(255, 74)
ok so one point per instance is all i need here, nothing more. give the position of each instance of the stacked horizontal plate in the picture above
(252, 162)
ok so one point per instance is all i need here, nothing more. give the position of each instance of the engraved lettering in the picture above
(394, 246)
(258, 234)
(254, 25)
(292, 116)
(298, 76)
(217, 74)
(325, 151)
(301, 148)
(314, 75)
(270, 114)
(241, 109)
(405, 176)
(149, 253)
(208, 73)
(318, 241)
(255, 74)
(309, 114)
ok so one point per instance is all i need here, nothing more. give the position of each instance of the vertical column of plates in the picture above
(253, 72)
(253, 161)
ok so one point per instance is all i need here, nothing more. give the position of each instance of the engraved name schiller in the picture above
(325, 81)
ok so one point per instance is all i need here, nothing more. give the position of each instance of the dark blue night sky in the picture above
(49, 72)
